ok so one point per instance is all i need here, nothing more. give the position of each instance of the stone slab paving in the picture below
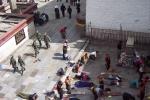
(94, 68)
(40, 76)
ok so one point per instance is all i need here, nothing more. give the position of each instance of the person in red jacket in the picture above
(63, 32)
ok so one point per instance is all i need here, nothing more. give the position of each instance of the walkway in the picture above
(40, 76)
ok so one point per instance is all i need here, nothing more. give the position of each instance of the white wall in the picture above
(31, 29)
(10, 46)
(133, 15)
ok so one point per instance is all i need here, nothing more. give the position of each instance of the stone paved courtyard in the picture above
(41, 76)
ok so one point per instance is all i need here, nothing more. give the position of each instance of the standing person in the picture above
(66, 1)
(69, 10)
(63, 9)
(36, 50)
(78, 7)
(38, 37)
(142, 91)
(65, 47)
(47, 39)
(57, 14)
(22, 64)
(63, 32)
(59, 89)
(107, 61)
(119, 48)
(13, 63)
(68, 84)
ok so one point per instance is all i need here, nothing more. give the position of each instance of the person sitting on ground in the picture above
(76, 69)
(82, 76)
(115, 80)
(60, 72)
(28, 96)
(68, 84)
(101, 83)
(93, 55)
(95, 92)
(127, 96)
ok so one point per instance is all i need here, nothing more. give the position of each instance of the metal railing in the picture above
(109, 34)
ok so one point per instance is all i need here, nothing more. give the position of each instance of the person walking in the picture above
(47, 39)
(78, 8)
(36, 50)
(57, 14)
(13, 63)
(63, 32)
(22, 64)
(63, 9)
(107, 61)
(141, 72)
(69, 10)
(38, 37)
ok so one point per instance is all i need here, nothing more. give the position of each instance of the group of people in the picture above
(72, 2)
(39, 38)
(63, 10)
(40, 18)
(14, 65)
(59, 87)
(138, 63)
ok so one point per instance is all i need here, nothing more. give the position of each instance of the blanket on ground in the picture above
(81, 84)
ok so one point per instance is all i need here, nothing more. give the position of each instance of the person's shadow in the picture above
(58, 56)
(29, 54)
(7, 70)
